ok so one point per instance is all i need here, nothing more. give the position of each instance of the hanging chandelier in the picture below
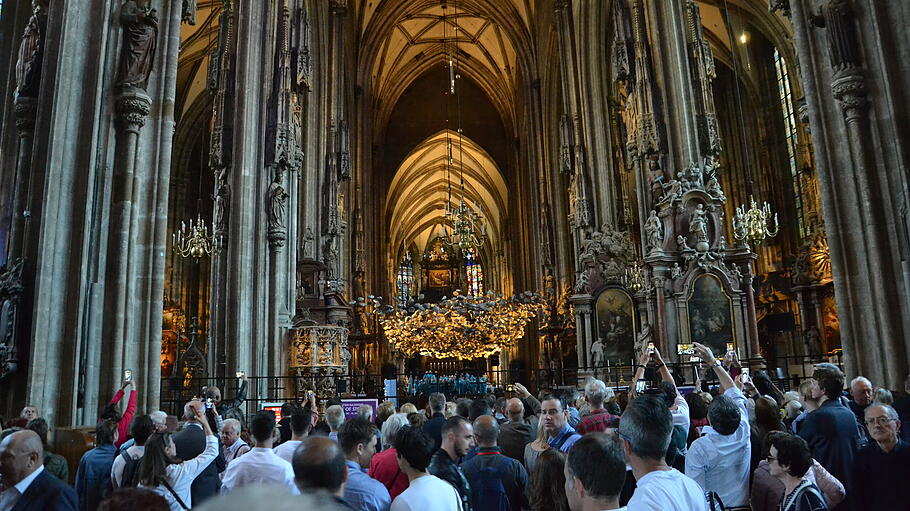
(755, 224)
(195, 241)
(634, 278)
(463, 326)
(469, 231)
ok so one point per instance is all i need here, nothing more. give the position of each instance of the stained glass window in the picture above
(474, 271)
(405, 283)
(786, 103)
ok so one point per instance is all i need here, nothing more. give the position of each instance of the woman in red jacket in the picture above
(123, 421)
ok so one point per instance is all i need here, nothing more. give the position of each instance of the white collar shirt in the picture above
(286, 450)
(11, 496)
(721, 463)
(259, 466)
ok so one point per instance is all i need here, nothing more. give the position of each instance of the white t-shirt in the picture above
(286, 450)
(427, 493)
(259, 466)
(667, 490)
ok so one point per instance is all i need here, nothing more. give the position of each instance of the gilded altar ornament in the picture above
(754, 225)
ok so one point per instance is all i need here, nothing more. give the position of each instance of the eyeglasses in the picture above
(770, 458)
(881, 421)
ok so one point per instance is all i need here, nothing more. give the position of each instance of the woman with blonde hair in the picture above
(536, 446)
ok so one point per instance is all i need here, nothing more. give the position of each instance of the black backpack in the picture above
(130, 477)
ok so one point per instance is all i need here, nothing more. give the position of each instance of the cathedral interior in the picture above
(326, 193)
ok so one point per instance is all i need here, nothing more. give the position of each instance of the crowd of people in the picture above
(742, 445)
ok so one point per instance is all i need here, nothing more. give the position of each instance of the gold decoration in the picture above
(754, 225)
(194, 242)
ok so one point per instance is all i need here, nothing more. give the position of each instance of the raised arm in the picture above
(193, 467)
(726, 382)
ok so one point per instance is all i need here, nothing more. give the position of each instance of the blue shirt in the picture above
(364, 493)
(567, 437)
(721, 463)
(94, 475)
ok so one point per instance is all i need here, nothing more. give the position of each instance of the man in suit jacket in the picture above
(28, 487)
(190, 442)
(433, 427)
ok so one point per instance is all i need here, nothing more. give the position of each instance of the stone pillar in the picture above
(754, 345)
(26, 109)
(132, 108)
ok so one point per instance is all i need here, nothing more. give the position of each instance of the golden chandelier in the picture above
(754, 225)
(463, 326)
(194, 243)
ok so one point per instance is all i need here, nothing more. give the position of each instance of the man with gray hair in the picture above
(433, 427)
(515, 434)
(598, 419)
(719, 460)
(882, 468)
(497, 481)
(645, 430)
(334, 417)
(861, 397)
(159, 419)
(234, 446)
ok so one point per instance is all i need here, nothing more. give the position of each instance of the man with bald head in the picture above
(190, 442)
(28, 486)
(515, 434)
(497, 481)
(319, 467)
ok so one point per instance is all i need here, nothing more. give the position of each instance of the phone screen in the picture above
(650, 347)
(208, 402)
(240, 374)
(128, 375)
(745, 373)
(641, 386)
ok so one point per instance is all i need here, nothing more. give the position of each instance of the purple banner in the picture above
(350, 406)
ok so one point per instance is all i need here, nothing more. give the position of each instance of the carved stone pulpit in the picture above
(318, 355)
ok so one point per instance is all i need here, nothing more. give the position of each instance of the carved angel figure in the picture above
(698, 224)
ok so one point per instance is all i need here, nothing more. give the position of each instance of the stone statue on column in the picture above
(31, 52)
(188, 13)
(698, 227)
(140, 40)
(654, 232)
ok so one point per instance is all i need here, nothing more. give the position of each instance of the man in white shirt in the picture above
(29, 486)
(301, 423)
(141, 428)
(645, 430)
(261, 465)
(719, 460)
(234, 446)
(425, 492)
(334, 417)
(595, 473)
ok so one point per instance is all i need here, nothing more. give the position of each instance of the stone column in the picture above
(26, 109)
(132, 107)
(754, 345)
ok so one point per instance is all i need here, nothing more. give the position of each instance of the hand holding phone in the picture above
(650, 348)
(208, 403)
(641, 386)
(745, 375)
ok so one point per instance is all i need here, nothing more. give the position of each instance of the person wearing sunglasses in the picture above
(882, 467)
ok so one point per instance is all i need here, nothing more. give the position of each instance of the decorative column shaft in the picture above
(26, 109)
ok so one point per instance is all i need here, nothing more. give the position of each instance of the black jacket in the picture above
(513, 437)
(433, 428)
(47, 493)
(190, 442)
(443, 467)
(833, 439)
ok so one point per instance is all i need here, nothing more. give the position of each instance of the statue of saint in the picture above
(597, 352)
(698, 224)
(188, 13)
(140, 40)
(654, 232)
(31, 51)
(277, 204)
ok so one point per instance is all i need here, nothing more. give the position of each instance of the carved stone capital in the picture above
(850, 92)
(133, 107)
(26, 108)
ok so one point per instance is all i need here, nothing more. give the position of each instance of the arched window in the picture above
(786, 103)
(405, 279)
(474, 271)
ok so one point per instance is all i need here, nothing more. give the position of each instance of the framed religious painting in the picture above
(614, 335)
(438, 278)
(710, 312)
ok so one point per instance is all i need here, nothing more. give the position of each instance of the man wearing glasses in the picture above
(882, 468)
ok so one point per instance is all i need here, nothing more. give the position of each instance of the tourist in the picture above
(861, 390)
(134, 499)
(450, 409)
(425, 492)
(159, 420)
(125, 469)
(881, 472)
(499, 410)
(334, 417)
(538, 445)
(123, 420)
(93, 477)
(416, 420)
(433, 427)
(547, 487)
(515, 434)
(561, 436)
(830, 431)
(192, 443)
(810, 395)
(767, 419)
(719, 461)
(319, 467)
(357, 438)
(261, 465)
(301, 422)
(570, 399)
(645, 430)
(386, 409)
(28, 413)
(598, 418)
(53, 463)
(28, 486)
(457, 440)
(234, 446)
(789, 460)
(384, 466)
(172, 477)
(463, 407)
(679, 408)
(479, 407)
(883, 396)
(496, 481)
(408, 408)
(698, 415)
(225, 408)
(595, 473)
(768, 491)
